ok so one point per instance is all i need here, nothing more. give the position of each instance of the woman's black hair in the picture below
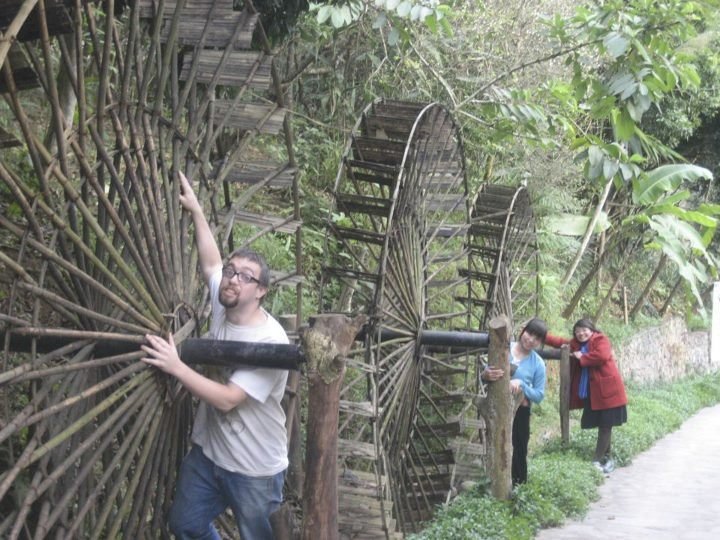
(585, 323)
(536, 327)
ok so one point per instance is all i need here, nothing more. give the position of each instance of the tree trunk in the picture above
(608, 251)
(646, 291)
(498, 410)
(326, 342)
(282, 522)
(295, 473)
(601, 253)
(570, 308)
(626, 256)
(291, 405)
(588, 234)
(674, 290)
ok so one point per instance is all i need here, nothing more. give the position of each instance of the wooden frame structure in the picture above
(96, 250)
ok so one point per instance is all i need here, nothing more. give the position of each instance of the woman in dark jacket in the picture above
(596, 386)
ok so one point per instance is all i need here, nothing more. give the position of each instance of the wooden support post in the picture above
(291, 403)
(564, 397)
(326, 342)
(498, 410)
(283, 521)
(292, 424)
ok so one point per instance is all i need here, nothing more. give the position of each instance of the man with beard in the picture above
(239, 453)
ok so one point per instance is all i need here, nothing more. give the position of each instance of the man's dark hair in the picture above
(536, 327)
(254, 256)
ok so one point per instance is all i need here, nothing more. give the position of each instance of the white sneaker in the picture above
(609, 466)
(598, 466)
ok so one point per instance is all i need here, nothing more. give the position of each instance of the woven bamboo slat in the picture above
(23, 75)
(148, 9)
(265, 119)
(219, 15)
(57, 18)
(7, 140)
(238, 70)
(275, 223)
(356, 449)
(223, 26)
(275, 175)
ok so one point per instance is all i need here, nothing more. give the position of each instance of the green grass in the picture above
(561, 480)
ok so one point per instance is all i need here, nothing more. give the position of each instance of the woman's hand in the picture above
(162, 354)
(577, 354)
(515, 386)
(491, 374)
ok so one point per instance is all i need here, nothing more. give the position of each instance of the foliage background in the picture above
(531, 84)
(569, 99)
(580, 103)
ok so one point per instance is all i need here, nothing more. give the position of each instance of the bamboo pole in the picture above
(112, 424)
(588, 234)
(148, 403)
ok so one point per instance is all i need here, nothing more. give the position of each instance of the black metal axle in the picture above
(195, 351)
(192, 350)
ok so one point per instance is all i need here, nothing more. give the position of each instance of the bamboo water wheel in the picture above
(503, 270)
(406, 248)
(103, 103)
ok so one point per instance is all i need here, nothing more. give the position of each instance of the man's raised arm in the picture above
(208, 252)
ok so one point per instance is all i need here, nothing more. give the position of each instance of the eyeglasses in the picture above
(229, 272)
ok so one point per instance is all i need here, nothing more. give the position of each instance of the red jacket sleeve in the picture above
(599, 351)
(555, 341)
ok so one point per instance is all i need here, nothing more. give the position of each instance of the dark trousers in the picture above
(520, 439)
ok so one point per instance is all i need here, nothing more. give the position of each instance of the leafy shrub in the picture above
(559, 485)
(477, 516)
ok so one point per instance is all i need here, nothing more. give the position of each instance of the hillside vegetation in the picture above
(604, 111)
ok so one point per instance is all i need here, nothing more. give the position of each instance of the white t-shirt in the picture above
(251, 438)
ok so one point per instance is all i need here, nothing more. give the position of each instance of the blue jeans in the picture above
(205, 490)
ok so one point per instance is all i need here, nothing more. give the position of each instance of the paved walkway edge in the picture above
(669, 492)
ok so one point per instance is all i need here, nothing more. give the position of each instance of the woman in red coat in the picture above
(596, 386)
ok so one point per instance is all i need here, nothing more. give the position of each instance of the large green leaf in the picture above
(572, 225)
(648, 188)
(683, 245)
(624, 124)
(616, 44)
(670, 227)
(709, 209)
(681, 234)
(687, 215)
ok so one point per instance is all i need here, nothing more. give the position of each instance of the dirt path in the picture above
(670, 492)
